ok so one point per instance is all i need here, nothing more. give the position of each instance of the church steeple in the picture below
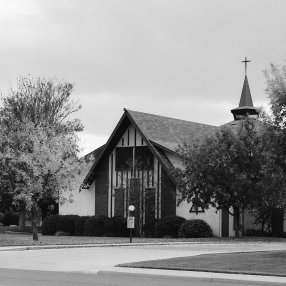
(245, 108)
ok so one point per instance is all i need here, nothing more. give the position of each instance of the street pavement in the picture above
(56, 263)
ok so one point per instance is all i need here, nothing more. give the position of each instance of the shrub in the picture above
(66, 223)
(27, 229)
(149, 228)
(79, 225)
(257, 232)
(62, 233)
(10, 218)
(116, 226)
(194, 228)
(94, 226)
(49, 226)
(1, 217)
(168, 226)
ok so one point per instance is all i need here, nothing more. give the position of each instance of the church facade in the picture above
(141, 155)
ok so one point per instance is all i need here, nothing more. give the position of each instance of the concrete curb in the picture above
(59, 246)
(182, 278)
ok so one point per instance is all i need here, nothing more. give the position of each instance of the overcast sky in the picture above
(175, 58)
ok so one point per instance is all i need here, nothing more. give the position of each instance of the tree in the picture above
(276, 90)
(38, 145)
(226, 170)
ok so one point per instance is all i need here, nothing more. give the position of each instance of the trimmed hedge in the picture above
(94, 226)
(194, 228)
(49, 226)
(149, 228)
(79, 225)
(168, 226)
(257, 232)
(66, 224)
(10, 218)
(116, 226)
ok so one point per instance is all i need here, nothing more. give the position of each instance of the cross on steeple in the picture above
(245, 62)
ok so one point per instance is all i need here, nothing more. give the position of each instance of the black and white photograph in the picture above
(142, 142)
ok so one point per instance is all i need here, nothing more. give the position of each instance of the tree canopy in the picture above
(38, 143)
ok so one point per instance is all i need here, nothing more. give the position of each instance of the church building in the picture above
(142, 150)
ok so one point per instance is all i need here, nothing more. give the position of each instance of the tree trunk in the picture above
(22, 216)
(34, 222)
(236, 221)
(242, 223)
(22, 220)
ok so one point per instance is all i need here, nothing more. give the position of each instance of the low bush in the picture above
(194, 228)
(10, 218)
(149, 228)
(257, 232)
(66, 223)
(49, 226)
(116, 226)
(94, 226)
(62, 233)
(79, 225)
(168, 226)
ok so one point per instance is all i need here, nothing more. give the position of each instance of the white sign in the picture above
(130, 221)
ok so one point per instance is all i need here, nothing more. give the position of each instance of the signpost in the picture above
(131, 220)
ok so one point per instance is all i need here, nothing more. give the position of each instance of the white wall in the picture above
(210, 216)
(82, 203)
(175, 160)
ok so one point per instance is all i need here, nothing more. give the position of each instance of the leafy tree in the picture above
(226, 170)
(276, 90)
(38, 145)
(276, 122)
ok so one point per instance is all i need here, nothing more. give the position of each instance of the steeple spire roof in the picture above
(245, 98)
(245, 108)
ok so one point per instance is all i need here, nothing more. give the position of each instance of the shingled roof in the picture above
(169, 132)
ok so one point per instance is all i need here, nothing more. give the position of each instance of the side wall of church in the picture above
(79, 203)
(175, 160)
(168, 196)
(210, 216)
(101, 188)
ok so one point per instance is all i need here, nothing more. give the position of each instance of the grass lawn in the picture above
(259, 263)
(10, 238)
(20, 239)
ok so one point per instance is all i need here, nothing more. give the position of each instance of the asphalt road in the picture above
(21, 277)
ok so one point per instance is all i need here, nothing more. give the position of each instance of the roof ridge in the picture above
(161, 116)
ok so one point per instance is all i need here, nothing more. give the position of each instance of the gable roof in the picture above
(159, 132)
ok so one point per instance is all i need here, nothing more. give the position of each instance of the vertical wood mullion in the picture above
(111, 186)
(158, 189)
